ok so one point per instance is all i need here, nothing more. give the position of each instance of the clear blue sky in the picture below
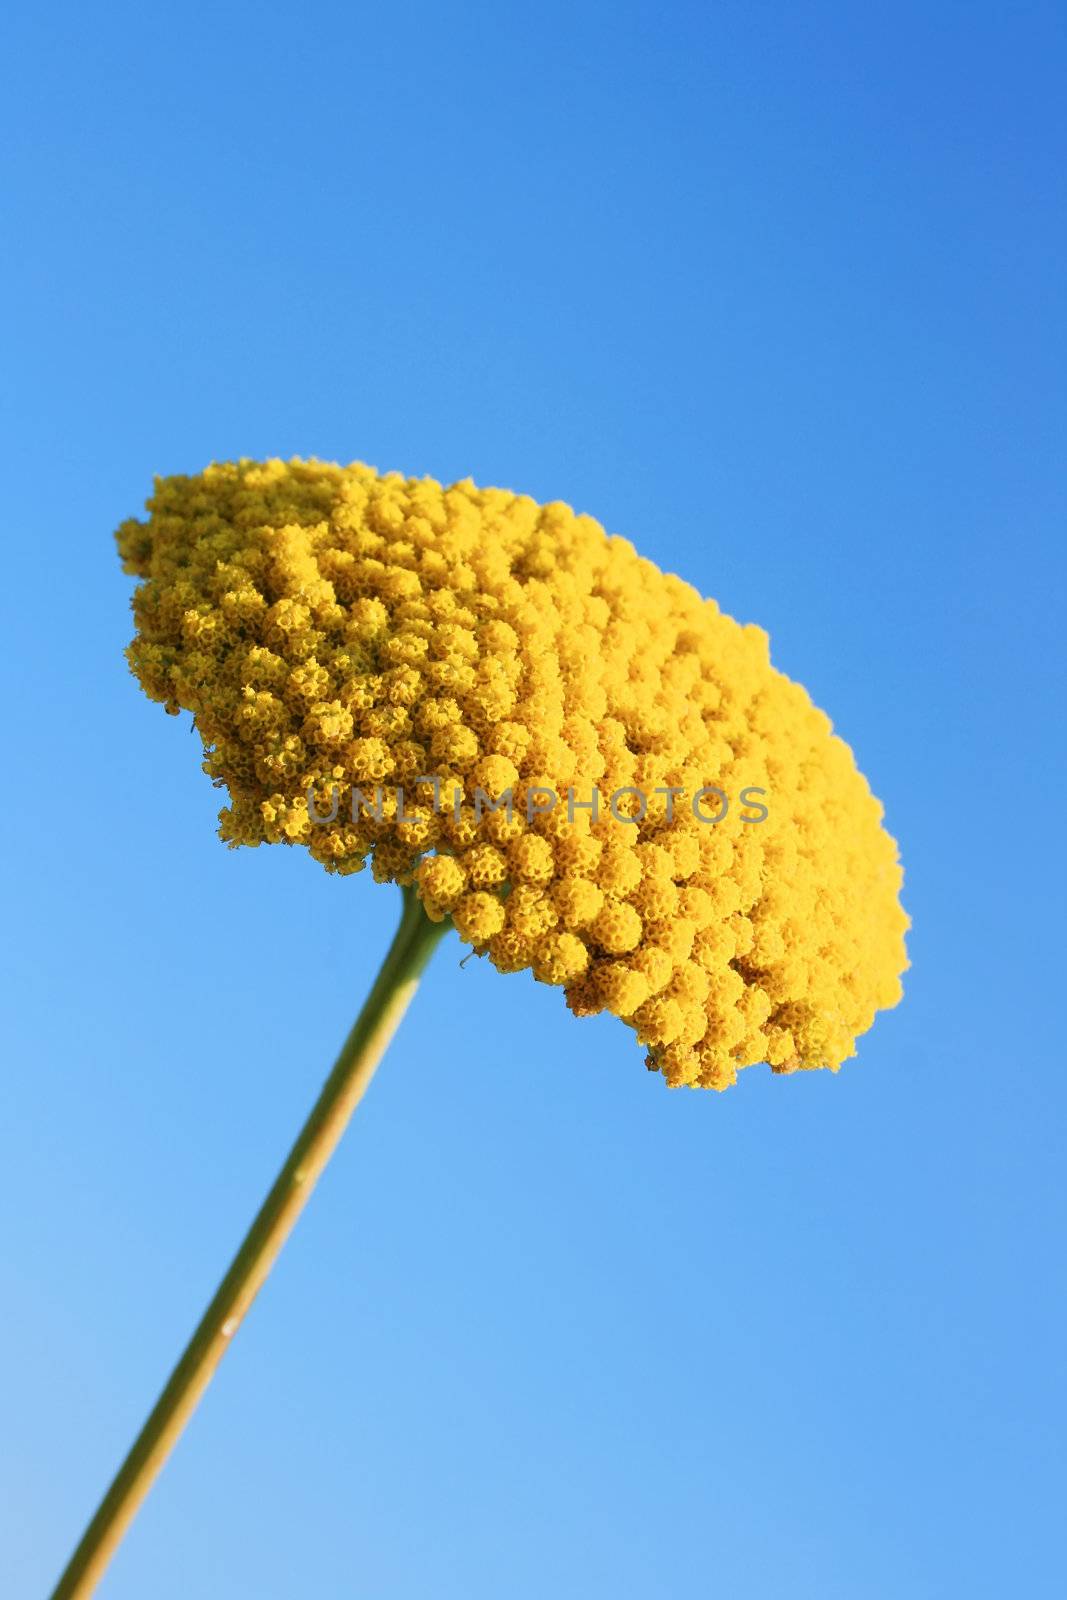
(776, 291)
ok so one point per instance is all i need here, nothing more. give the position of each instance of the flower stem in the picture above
(393, 988)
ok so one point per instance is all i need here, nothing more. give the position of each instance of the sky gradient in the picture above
(776, 292)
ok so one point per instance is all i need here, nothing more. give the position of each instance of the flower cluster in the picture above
(331, 629)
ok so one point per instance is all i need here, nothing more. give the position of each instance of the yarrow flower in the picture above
(418, 652)
(446, 683)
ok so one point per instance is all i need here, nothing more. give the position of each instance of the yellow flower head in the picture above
(595, 773)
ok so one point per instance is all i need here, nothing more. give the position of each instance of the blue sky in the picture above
(775, 291)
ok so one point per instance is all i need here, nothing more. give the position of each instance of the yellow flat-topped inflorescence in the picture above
(399, 656)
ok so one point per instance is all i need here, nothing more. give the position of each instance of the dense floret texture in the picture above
(334, 630)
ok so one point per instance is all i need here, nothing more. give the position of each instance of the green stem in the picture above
(344, 1088)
